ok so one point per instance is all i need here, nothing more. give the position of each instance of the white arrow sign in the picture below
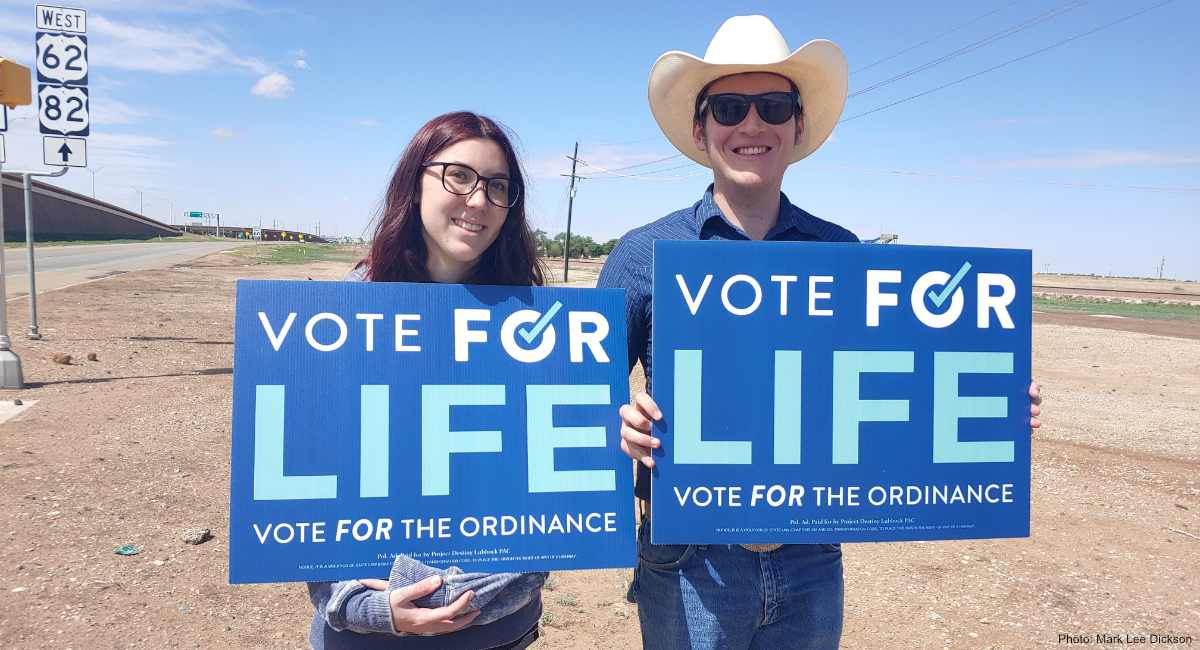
(62, 58)
(59, 152)
(63, 110)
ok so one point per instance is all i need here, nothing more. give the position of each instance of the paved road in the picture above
(60, 266)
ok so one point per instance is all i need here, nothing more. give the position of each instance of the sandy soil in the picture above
(1188, 329)
(134, 448)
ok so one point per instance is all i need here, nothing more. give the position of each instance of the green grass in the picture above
(1150, 310)
(297, 253)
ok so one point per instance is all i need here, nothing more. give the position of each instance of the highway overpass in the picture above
(60, 214)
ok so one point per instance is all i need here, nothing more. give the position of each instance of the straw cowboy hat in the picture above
(750, 44)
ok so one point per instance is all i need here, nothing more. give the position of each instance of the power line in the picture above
(646, 176)
(933, 38)
(1008, 62)
(971, 47)
(652, 175)
(649, 162)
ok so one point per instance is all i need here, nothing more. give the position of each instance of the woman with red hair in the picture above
(454, 212)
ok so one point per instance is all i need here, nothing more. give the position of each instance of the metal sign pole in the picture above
(10, 363)
(33, 323)
(27, 186)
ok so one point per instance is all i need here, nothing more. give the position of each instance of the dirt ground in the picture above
(1188, 290)
(134, 448)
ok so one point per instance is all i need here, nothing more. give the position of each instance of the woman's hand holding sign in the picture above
(411, 619)
(636, 419)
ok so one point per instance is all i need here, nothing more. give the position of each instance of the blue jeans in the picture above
(719, 596)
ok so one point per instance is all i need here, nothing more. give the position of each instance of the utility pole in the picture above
(1161, 264)
(570, 207)
(93, 172)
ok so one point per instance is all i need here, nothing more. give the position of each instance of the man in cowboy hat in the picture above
(747, 110)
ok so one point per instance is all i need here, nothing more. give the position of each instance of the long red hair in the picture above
(398, 252)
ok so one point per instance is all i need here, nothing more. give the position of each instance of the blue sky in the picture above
(1088, 153)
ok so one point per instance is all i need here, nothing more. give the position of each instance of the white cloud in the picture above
(1100, 159)
(368, 122)
(123, 161)
(106, 110)
(300, 64)
(222, 132)
(175, 6)
(123, 141)
(163, 50)
(274, 86)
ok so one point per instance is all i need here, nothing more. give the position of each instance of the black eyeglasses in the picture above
(730, 109)
(460, 179)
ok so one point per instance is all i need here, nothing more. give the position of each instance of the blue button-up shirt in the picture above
(630, 266)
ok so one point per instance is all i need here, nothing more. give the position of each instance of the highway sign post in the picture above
(62, 75)
(63, 110)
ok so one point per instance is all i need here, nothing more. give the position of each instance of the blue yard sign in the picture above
(464, 426)
(820, 393)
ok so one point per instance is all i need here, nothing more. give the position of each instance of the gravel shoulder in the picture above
(134, 448)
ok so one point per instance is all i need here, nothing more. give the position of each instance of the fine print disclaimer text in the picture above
(1112, 639)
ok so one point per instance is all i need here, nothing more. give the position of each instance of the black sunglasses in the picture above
(730, 109)
(460, 179)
